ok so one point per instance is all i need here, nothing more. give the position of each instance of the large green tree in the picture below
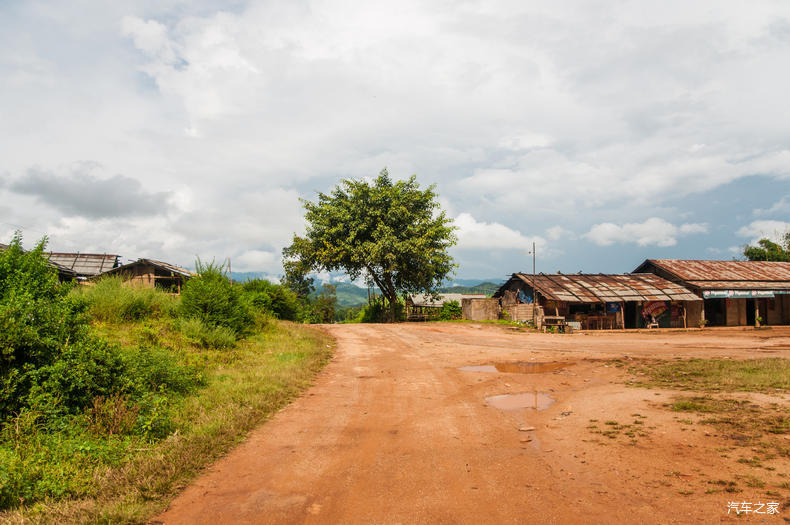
(768, 250)
(392, 234)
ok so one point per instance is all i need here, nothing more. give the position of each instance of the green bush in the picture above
(450, 310)
(276, 299)
(37, 320)
(211, 298)
(378, 312)
(112, 301)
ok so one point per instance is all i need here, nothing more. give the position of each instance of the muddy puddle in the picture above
(525, 401)
(523, 367)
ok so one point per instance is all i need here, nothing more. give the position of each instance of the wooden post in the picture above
(622, 315)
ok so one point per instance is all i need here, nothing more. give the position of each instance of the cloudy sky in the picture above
(605, 131)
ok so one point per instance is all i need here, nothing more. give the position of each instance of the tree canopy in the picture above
(392, 234)
(768, 250)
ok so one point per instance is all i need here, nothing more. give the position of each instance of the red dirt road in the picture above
(393, 432)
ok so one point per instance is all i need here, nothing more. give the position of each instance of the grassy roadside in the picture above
(242, 387)
(715, 375)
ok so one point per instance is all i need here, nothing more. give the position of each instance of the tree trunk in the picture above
(387, 290)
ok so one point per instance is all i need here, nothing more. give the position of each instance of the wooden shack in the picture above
(600, 301)
(735, 293)
(152, 274)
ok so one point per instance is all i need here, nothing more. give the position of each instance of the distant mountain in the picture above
(243, 277)
(476, 282)
(349, 294)
(486, 288)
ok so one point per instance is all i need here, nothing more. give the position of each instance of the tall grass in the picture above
(112, 300)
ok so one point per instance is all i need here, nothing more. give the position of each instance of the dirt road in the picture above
(394, 432)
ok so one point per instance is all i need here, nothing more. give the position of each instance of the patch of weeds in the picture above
(752, 462)
(715, 375)
(612, 423)
(754, 482)
(685, 492)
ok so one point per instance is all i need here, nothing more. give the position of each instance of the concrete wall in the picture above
(523, 312)
(480, 309)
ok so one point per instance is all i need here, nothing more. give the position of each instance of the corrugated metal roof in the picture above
(428, 300)
(740, 285)
(735, 271)
(85, 264)
(162, 265)
(597, 288)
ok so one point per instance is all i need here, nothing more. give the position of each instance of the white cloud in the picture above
(253, 260)
(782, 206)
(474, 235)
(558, 232)
(652, 232)
(757, 230)
(538, 113)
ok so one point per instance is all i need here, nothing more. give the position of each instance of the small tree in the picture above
(767, 250)
(392, 234)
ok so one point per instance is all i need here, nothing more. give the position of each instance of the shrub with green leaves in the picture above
(272, 298)
(450, 310)
(211, 298)
(37, 320)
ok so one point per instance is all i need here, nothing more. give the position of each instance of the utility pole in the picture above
(534, 290)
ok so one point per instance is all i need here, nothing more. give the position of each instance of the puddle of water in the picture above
(517, 368)
(480, 368)
(527, 400)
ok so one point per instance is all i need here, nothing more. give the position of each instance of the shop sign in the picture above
(737, 294)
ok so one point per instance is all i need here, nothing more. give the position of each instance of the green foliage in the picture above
(450, 310)
(277, 299)
(378, 312)
(321, 308)
(212, 298)
(207, 336)
(37, 320)
(767, 250)
(393, 234)
(112, 301)
(64, 392)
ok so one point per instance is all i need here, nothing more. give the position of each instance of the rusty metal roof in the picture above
(159, 264)
(597, 288)
(726, 274)
(85, 264)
